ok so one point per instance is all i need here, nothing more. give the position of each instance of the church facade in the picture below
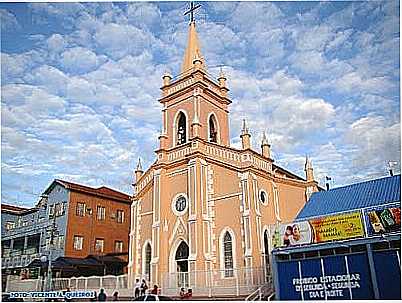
(201, 212)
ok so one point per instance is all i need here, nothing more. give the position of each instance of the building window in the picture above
(100, 212)
(228, 254)
(51, 211)
(59, 242)
(120, 216)
(263, 197)
(59, 209)
(181, 129)
(99, 245)
(80, 209)
(179, 204)
(147, 261)
(9, 225)
(118, 246)
(213, 133)
(78, 241)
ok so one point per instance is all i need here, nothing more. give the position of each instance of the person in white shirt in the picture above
(137, 288)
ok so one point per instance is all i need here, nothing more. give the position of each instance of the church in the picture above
(201, 212)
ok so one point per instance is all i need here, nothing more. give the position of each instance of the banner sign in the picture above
(383, 219)
(338, 227)
(330, 228)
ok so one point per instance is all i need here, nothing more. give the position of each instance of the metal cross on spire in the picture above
(191, 10)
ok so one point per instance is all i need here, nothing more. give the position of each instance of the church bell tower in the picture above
(194, 104)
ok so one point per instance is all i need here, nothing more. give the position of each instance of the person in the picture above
(296, 233)
(287, 235)
(137, 288)
(144, 287)
(116, 296)
(102, 296)
(67, 299)
(182, 293)
(94, 298)
(189, 294)
(154, 291)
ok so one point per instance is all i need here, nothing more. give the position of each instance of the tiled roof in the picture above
(355, 196)
(13, 209)
(101, 191)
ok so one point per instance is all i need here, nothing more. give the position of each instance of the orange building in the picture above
(202, 210)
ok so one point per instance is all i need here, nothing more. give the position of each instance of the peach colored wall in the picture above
(291, 201)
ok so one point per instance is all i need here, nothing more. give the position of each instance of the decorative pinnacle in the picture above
(139, 166)
(308, 164)
(221, 74)
(264, 139)
(167, 74)
(245, 128)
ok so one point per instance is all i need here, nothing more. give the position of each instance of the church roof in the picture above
(193, 49)
(355, 196)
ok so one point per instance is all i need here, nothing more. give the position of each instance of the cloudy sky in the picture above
(80, 84)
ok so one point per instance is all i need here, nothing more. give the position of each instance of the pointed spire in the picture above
(222, 78)
(264, 139)
(167, 77)
(138, 171)
(245, 136)
(308, 164)
(308, 168)
(265, 147)
(139, 166)
(193, 50)
(244, 129)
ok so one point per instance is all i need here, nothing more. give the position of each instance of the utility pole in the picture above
(391, 165)
(52, 228)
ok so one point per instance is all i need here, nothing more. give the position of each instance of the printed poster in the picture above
(383, 219)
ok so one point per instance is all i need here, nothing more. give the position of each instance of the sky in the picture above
(80, 84)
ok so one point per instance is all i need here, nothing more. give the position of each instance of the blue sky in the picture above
(80, 84)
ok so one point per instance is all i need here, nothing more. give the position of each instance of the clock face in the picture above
(181, 204)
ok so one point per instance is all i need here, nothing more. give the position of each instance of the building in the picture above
(201, 212)
(344, 244)
(81, 221)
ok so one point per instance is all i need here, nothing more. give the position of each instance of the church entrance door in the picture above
(181, 259)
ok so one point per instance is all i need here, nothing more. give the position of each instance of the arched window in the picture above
(228, 254)
(181, 129)
(181, 258)
(147, 262)
(213, 132)
(266, 256)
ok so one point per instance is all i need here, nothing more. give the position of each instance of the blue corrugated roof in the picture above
(360, 195)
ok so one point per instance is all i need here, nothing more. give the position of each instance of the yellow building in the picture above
(201, 212)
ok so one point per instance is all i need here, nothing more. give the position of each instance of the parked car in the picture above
(151, 297)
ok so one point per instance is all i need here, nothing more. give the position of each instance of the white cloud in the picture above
(8, 21)
(50, 78)
(118, 40)
(353, 82)
(79, 60)
(143, 15)
(56, 43)
(31, 99)
(377, 140)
